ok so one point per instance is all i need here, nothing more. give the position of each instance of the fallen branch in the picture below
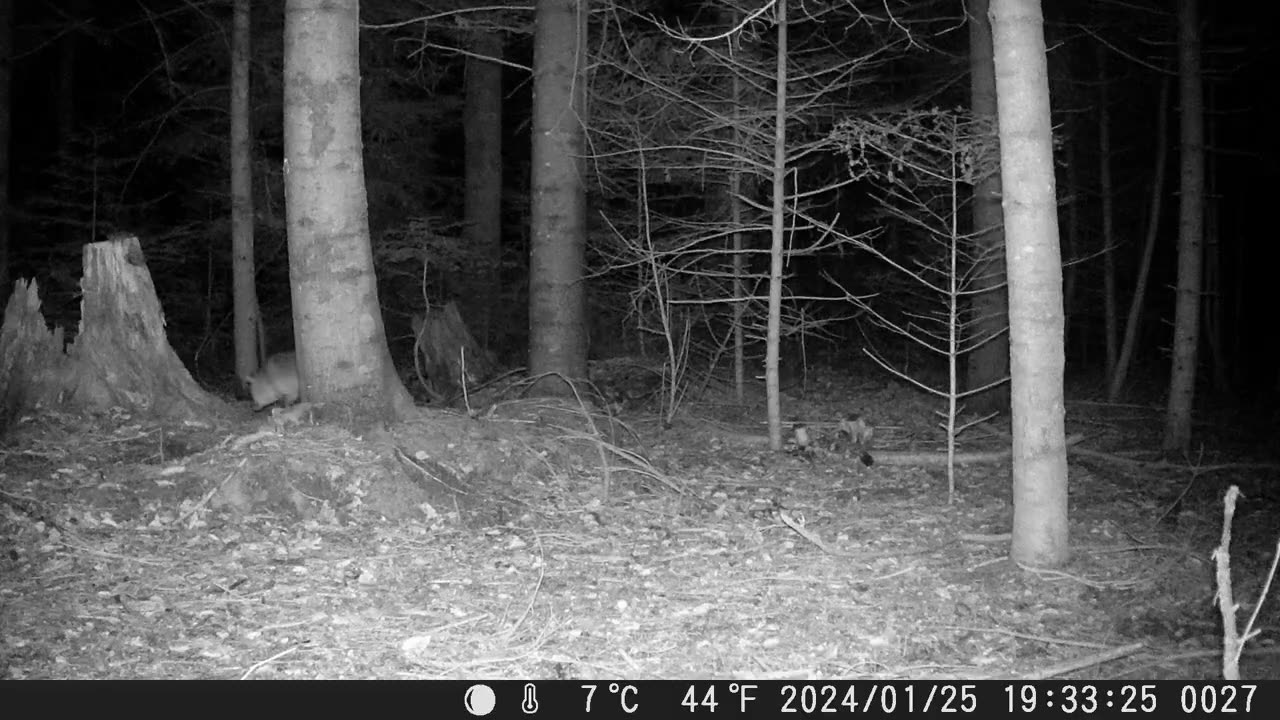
(1084, 662)
(1168, 465)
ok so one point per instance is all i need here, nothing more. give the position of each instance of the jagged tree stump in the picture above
(32, 364)
(442, 341)
(121, 356)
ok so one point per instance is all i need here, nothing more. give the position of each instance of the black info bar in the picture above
(559, 699)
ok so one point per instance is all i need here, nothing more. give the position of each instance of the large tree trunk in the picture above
(1186, 325)
(121, 356)
(482, 129)
(988, 363)
(244, 292)
(557, 308)
(341, 345)
(1034, 262)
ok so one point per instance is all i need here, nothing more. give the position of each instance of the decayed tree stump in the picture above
(121, 356)
(32, 364)
(442, 340)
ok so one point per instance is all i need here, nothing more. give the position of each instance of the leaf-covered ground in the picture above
(532, 540)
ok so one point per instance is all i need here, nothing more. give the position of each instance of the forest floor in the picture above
(529, 539)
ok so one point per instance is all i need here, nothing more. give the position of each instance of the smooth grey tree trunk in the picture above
(1034, 263)
(341, 345)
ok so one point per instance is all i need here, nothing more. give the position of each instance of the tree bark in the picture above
(339, 337)
(1034, 262)
(1186, 324)
(557, 309)
(988, 363)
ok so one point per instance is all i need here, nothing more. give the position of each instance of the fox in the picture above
(276, 380)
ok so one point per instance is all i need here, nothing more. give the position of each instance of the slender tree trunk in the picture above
(1186, 325)
(1107, 192)
(989, 308)
(739, 266)
(244, 291)
(774, 330)
(6, 124)
(341, 345)
(1034, 262)
(729, 19)
(1134, 320)
(482, 130)
(557, 309)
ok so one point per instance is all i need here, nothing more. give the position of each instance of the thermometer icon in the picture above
(530, 702)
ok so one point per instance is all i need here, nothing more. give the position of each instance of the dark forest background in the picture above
(120, 122)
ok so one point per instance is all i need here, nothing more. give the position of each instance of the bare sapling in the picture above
(921, 164)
